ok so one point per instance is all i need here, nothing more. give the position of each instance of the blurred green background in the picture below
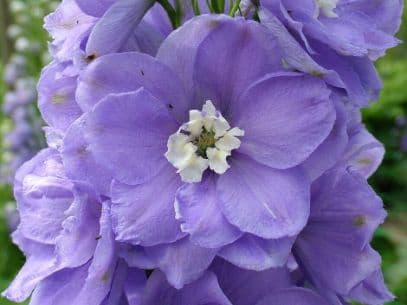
(387, 120)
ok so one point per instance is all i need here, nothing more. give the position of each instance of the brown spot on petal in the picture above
(90, 57)
(58, 99)
(82, 150)
(365, 161)
(105, 277)
(359, 221)
(317, 73)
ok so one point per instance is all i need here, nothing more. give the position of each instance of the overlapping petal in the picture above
(266, 202)
(126, 128)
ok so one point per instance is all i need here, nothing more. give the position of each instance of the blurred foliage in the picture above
(387, 120)
(11, 258)
(30, 41)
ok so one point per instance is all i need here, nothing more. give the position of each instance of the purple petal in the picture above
(134, 286)
(204, 291)
(144, 216)
(359, 76)
(39, 264)
(180, 48)
(198, 209)
(285, 118)
(119, 21)
(80, 164)
(368, 39)
(115, 291)
(343, 200)
(76, 243)
(344, 214)
(119, 73)
(60, 288)
(293, 296)
(126, 128)
(101, 271)
(182, 262)
(372, 290)
(136, 256)
(56, 97)
(94, 7)
(333, 147)
(364, 153)
(69, 27)
(43, 195)
(244, 287)
(266, 202)
(221, 65)
(386, 14)
(253, 253)
(292, 52)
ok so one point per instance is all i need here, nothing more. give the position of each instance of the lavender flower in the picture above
(362, 28)
(225, 284)
(403, 144)
(65, 232)
(321, 29)
(15, 69)
(344, 214)
(227, 151)
(228, 155)
(22, 135)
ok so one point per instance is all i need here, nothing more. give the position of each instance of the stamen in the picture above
(205, 141)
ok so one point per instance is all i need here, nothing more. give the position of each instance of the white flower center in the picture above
(327, 7)
(205, 141)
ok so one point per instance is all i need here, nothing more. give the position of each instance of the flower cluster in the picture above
(206, 152)
(21, 131)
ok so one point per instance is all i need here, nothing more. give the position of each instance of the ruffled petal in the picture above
(253, 253)
(144, 214)
(263, 201)
(285, 118)
(198, 210)
(126, 128)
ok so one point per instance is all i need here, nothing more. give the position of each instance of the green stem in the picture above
(235, 8)
(195, 7)
(211, 8)
(222, 6)
(172, 13)
(179, 12)
(215, 5)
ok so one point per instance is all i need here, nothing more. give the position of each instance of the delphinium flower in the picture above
(341, 39)
(22, 127)
(403, 144)
(14, 69)
(78, 27)
(203, 145)
(41, 184)
(22, 134)
(226, 157)
(225, 284)
(401, 128)
(66, 234)
(11, 216)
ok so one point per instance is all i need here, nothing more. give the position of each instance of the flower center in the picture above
(327, 7)
(205, 141)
